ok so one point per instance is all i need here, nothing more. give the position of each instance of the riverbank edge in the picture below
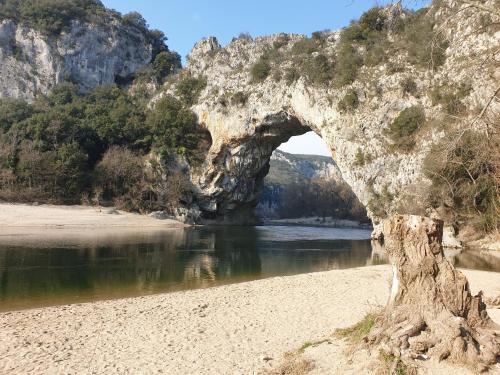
(20, 215)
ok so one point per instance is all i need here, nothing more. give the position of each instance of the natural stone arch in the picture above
(233, 173)
(285, 110)
(234, 106)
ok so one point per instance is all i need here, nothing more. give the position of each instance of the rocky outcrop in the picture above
(303, 166)
(246, 133)
(289, 169)
(89, 55)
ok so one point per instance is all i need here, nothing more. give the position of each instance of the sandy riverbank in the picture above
(63, 217)
(233, 329)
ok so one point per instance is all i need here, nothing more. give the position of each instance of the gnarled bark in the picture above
(431, 311)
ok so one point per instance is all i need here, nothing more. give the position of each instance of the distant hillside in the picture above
(307, 185)
(286, 168)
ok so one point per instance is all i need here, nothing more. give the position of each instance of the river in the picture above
(41, 270)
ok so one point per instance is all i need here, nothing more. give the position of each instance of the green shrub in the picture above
(417, 38)
(348, 63)
(171, 125)
(404, 126)
(260, 71)
(372, 20)
(308, 61)
(136, 20)
(13, 111)
(165, 63)
(318, 70)
(306, 46)
(292, 75)
(189, 88)
(361, 159)
(349, 102)
(50, 16)
(365, 31)
(450, 97)
(409, 86)
(239, 98)
(380, 203)
(376, 54)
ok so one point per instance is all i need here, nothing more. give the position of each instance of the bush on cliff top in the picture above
(55, 16)
(50, 16)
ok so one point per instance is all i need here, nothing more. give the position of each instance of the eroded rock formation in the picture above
(246, 131)
(32, 62)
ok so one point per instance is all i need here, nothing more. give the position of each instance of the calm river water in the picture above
(41, 269)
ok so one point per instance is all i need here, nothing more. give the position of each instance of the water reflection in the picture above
(466, 259)
(57, 267)
(50, 268)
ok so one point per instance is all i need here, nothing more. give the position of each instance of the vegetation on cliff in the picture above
(67, 145)
(367, 42)
(52, 16)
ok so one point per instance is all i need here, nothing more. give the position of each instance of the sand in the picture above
(14, 216)
(234, 329)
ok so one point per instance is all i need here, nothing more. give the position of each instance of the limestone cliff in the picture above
(87, 54)
(267, 112)
(287, 170)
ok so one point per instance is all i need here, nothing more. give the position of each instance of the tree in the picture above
(166, 63)
(13, 111)
(173, 127)
(431, 311)
(118, 171)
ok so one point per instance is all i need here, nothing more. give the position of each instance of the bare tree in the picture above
(431, 311)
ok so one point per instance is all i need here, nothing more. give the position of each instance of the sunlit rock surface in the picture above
(245, 135)
(88, 55)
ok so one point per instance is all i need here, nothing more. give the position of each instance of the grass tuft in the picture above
(358, 331)
(312, 344)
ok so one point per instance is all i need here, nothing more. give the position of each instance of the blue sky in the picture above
(187, 21)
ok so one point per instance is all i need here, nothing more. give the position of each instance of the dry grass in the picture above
(293, 364)
(390, 364)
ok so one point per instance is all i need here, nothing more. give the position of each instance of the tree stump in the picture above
(431, 311)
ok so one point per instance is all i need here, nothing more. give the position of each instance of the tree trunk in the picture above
(431, 311)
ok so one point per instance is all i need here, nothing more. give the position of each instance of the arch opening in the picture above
(233, 178)
(304, 185)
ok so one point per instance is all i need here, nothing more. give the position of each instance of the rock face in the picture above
(246, 133)
(303, 166)
(286, 169)
(88, 55)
